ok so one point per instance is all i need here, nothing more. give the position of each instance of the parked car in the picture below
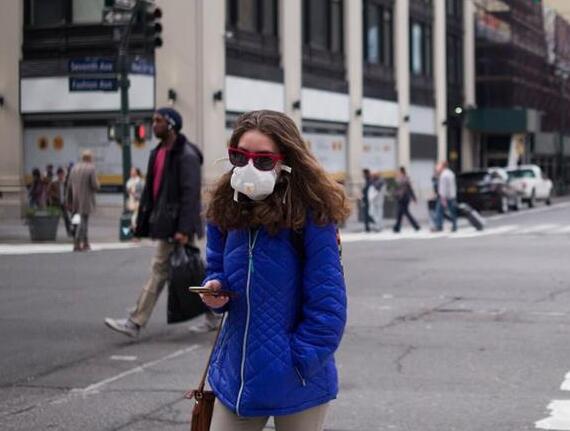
(488, 189)
(532, 183)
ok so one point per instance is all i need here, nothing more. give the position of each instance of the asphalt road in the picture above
(467, 331)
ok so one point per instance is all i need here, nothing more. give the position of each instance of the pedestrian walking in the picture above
(376, 194)
(82, 186)
(37, 194)
(135, 186)
(49, 173)
(169, 210)
(57, 197)
(447, 197)
(365, 199)
(272, 241)
(404, 194)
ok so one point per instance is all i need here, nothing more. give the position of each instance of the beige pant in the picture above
(308, 420)
(154, 285)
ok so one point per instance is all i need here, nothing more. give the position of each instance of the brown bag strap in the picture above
(198, 392)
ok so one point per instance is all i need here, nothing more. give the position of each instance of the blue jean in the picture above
(440, 212)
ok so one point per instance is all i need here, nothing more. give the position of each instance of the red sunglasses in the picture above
(262, 161)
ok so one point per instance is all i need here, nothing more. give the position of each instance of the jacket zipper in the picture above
(303, 382)
(250, 269)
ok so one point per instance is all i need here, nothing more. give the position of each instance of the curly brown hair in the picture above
(307, 188)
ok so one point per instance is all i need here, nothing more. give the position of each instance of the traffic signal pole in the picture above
(124, 123)
(135, 7)
(124, 84)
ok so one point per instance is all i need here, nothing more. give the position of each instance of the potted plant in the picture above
(43, 223)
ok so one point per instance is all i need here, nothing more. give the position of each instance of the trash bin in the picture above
(125, 231)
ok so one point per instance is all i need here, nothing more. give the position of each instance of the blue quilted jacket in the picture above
(274, 355)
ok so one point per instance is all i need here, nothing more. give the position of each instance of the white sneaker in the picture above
(124, 326)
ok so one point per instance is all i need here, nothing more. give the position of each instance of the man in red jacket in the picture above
(169, 210)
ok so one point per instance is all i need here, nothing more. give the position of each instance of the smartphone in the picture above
(201, 289)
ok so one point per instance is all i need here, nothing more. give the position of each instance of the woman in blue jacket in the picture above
(272, 241)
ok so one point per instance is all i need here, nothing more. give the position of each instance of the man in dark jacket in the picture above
(169, 210)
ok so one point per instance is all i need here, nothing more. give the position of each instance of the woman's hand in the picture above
(214, 301)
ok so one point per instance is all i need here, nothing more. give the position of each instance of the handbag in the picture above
(186, 269)
(203, 400)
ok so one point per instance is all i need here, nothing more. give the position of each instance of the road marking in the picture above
(20, 249)
(123, 358)
(559, 418)
(96, 387)
(490, 231)
(536, 229)
(564, 230)
(529, 211)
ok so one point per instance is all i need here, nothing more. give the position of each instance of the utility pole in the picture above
(125, 14)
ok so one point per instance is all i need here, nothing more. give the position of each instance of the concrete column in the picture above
(192, 63)
(440, 77)
(468, 143)
(402, 55)
(353, 50)
(177, 62)
(12, 197)
(291, 55)
(211, 25)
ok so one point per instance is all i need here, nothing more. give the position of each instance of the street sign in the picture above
(124, 4)
(112, 16)
(91, 65)
(141, 66)
(93, 84)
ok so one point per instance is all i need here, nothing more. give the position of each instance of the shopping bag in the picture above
(186, 269)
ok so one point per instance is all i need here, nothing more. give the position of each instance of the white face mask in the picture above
(253, 183)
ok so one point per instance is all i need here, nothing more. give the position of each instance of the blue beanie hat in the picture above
(172, 117)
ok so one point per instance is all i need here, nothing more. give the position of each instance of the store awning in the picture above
(503, 120)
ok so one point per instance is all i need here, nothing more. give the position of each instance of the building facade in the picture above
(523, 66)
(373, 84)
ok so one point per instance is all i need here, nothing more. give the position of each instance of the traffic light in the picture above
(142, 133)
(152, 27)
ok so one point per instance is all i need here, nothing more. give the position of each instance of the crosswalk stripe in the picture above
(559, 418)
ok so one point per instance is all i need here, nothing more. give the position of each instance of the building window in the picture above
(378, 34)
(454, 60)
(253, 16)
(454, 8)
(87, 11)
(323, 25)
(420, 49)
(48, 13)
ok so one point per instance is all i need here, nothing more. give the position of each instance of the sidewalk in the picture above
(104, 224)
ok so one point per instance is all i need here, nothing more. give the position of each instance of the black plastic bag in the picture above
(186, 269)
